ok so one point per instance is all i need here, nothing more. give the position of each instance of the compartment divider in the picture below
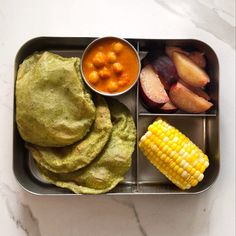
(204, 134)
(137, 122)
(176, 114)
(142, 178)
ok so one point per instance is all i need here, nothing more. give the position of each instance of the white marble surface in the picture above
(210, 213)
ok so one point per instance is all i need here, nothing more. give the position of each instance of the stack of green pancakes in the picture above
(79, 142)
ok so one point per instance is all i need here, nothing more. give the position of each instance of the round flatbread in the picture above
(53, 108)
(73, 157)
(109, 168)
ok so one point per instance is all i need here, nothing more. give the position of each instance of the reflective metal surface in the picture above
(94, 43)
(142, 178)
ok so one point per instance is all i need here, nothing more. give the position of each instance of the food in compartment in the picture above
(196, 56)
(99, 59)
(117, 47)
(187, 100)
(166, 70)
(168, 107)
(152, 91)
(173, 154)
(78, 141)
(189, 71)
(179, 71)
(169, 50)
(198, 91)
(110, 65)
(110, 166)
(78, 155)
(53, 108)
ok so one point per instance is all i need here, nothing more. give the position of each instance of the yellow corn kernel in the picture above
(168, 151)
(163, 156)
(172, 164)
(159, 153)
(178, 160)
(172, 154)
(167, 159)
(189, 168)
(173, 145)
(176, 168)
(202, 168)
(180, 171)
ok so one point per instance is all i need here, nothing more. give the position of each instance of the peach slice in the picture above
(171, 49)
(199, 91)
(189, 71)
(198, 58)
(168, 107)
(187, 100)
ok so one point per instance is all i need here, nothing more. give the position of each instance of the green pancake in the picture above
(53, 108)
(73, 157)
(109, 168)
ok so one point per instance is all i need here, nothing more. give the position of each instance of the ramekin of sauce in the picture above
(110, 66)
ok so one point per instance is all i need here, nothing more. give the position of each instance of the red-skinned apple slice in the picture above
(189, 71)
(152, 90)
(187, 100)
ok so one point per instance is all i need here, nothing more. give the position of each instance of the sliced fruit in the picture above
(166, 70)
(171, 49)
(199, 91)
(169, 107)
(198, 58)
(152, 90)
(187, 100)
(189, 71)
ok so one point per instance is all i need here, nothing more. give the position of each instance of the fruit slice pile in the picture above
(175, 80)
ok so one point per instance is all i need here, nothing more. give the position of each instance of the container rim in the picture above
(28, 43)
(90, 45)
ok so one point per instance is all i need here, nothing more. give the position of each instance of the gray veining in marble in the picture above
(204, 17)
(20, 213)
(131, 205)
(142, 230)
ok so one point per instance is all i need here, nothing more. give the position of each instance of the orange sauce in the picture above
(110, 66)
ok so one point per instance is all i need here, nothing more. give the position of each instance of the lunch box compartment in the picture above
(142, 177)
(200, 131)
(212, 67)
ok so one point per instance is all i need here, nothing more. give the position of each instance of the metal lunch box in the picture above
(142, 178)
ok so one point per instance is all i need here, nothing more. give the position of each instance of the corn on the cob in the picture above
(170, 151)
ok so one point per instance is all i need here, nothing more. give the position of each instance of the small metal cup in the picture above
(104, 93)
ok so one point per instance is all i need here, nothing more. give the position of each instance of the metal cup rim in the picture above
(84, 77)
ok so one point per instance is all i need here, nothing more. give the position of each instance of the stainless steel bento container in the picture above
(142, 178)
